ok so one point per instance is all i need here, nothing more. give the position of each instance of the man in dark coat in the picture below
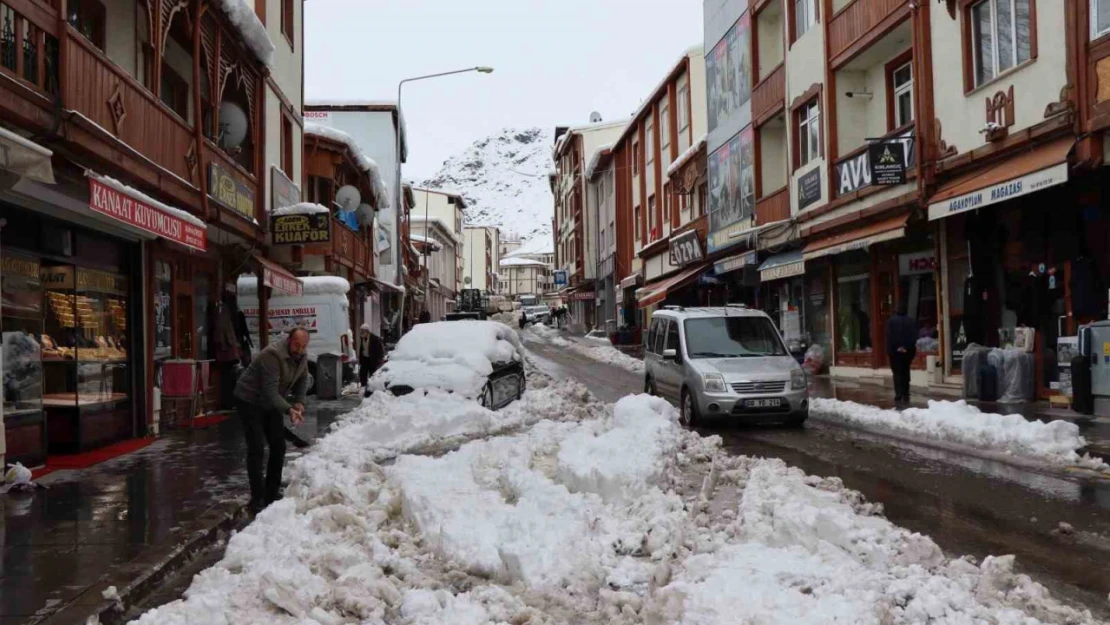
(279, 370)
(901, 347)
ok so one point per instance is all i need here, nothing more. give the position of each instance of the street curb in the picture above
(136, 579)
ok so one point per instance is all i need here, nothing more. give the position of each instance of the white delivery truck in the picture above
(323, 310)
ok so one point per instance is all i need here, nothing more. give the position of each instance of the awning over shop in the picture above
(785, 265)
(1039, 168)
(732, 263)
(631, 281)
(386, 286)
(657, 291)
(25, 158)
(279, 278)
(858, 238)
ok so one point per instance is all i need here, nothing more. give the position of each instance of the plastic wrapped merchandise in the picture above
(1018, 376)
(974, 355)
(814, 359)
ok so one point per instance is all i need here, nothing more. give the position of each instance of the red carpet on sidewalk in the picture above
(89, 458)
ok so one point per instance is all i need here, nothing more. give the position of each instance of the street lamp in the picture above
(481, 69)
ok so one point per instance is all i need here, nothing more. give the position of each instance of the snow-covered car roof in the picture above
(455, 356)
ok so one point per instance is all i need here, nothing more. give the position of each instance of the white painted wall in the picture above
(1036, 84)
(772, 33)
(474, 258)
(273, 145)
(804, 68)
(288, 58)
(773, 165)
(699, 110)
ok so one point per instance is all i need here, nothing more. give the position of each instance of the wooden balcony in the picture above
(861, 23)
(349, 248)
(769, 96)
(773, 207)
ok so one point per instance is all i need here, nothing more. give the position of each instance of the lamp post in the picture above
(397, 145)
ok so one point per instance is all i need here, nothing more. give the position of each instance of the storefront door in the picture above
(885, 302)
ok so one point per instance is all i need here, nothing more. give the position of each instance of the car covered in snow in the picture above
(725, 361)
(481, 360)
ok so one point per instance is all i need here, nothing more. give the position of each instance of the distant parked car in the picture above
(724, 362)
(538, 314)
(481, 360)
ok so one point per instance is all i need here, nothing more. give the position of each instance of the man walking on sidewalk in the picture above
(279, 370)
(901, 347)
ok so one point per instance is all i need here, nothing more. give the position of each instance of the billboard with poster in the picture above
(284, 319)
(731, 189)
(728, 70)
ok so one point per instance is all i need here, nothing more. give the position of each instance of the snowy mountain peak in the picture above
(504, 180)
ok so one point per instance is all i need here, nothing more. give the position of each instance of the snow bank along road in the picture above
(564, 509)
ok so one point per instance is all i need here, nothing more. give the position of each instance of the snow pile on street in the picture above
(1054, 442)
(452, 356)
(546, 334)
(806, 550)
(610, 355)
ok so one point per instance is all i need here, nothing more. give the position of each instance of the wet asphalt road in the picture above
(967, 505)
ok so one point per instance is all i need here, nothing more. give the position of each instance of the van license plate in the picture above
(763, 403)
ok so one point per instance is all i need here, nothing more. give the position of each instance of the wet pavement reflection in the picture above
(968, 505)
(59, 541)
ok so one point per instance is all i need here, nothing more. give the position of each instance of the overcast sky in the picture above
(555, 61)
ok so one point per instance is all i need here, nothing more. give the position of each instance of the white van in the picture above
(323, 310)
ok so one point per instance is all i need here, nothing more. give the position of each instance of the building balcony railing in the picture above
(350, 249)
(859, 24)
(769, 96)
(773, 207)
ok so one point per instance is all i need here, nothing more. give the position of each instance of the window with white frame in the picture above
(683, 108)
(1100, 18)
(664, 129)
(901, 80)
(1001, 36)
(651, 218)
(649, 141)
(805, 17)
(809, 132)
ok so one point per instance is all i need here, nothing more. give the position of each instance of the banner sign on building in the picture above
(285, 192)
(282, 320)
(114, 203)
(888, 163)
(560, 277)
(1016, 187)
(728, 70)
(854, 173)
(301, 229)
(809, 188)
(686, 249)
(227, 190)
(582, 296)
(731, 190)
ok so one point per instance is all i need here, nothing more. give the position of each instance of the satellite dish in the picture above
(466, 280)
(595, 117)
(233, 125)
(348, 198)
(366, 214)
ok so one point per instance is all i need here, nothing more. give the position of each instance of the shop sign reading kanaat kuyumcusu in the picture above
(132, 211)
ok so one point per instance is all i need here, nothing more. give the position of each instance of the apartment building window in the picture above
(287, 145)
(175, 92)
(88, 17)
(703, 199)
(638, 224)
(900, 93)
(636, 158)
(649, 141)
(652, 234)
(805, 17)
(1100, 18)
(287, 20)
(809, 132)
(683, 108)
(1002, 37)
(665, 130)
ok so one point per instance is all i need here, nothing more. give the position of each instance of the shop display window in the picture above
(84, 341)
(21, 322)
(853, 309)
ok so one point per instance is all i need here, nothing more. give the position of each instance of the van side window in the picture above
(672, 336)
(660, 335)
(653, 334)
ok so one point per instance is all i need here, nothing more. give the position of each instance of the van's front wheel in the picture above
(311, 378)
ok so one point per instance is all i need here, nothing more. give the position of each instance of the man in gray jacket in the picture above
(278, 371)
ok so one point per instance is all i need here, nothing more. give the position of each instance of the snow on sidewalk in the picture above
(601, 351)
(1054, 442)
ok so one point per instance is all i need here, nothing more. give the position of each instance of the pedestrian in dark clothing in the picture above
(901, 347)
(523, 319)
(278, 371)
(425, 316)
(371, 352)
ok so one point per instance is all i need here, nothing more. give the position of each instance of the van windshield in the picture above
(732, 337)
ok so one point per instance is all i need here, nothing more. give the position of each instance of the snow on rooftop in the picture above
(522, 262)
(454, 356)
(692, 51)
(300, 208)
(538, 246)
(135, 193)
(435, 245)
(595, 158)
(243, 17)
(310, 102)
(686, 156)
(364, 162)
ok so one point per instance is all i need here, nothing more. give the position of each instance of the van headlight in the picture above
(797, 380)
(714, 382)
